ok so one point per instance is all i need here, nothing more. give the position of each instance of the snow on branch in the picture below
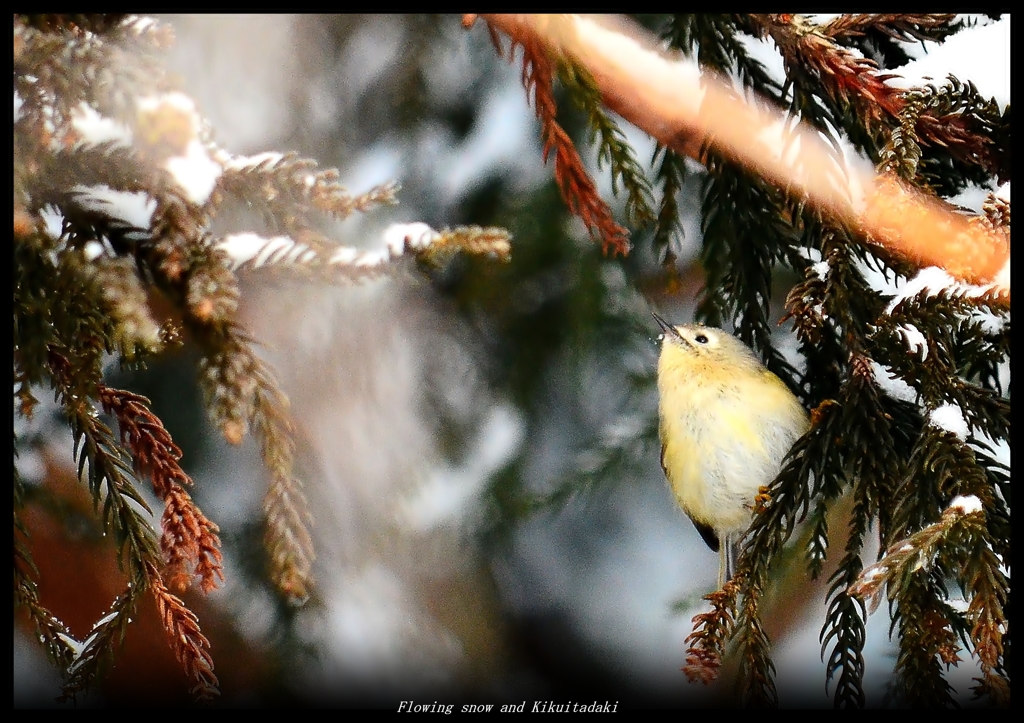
(918, 552)
(117, 185)
(686, 108)
(401, 241)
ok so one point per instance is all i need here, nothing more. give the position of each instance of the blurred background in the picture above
(478, 442)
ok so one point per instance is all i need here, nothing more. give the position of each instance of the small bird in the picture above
(726, 424)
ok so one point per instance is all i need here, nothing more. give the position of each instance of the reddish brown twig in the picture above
(685, 111)
(189, 539)
(577, 188)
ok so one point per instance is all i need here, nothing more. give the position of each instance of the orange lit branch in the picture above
(684, 109)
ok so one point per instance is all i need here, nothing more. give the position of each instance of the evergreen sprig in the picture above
(958, 545)
(711, 633)
(671, 172)
(715, 40)
(117, 184)
(903, 27)
(899, 455)
(744, 231)
(612, 148)
(577, 188)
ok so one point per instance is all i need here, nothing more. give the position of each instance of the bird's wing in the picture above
(707, 532)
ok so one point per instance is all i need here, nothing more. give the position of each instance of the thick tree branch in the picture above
(688, 109)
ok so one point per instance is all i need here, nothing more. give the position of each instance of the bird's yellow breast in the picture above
(725, 429)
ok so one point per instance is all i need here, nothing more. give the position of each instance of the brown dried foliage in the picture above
(577, 188)
(899, 26)
(854, 80)
(190, 646)
(189, 539)
(287, 513)
(243, 392)
(987, 636)
(638, 81)
(710, 632)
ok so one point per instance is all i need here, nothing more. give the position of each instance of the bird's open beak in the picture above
(665, 326)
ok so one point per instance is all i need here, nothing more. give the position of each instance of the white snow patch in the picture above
(95, 128)
(950, 418)
(892, 385)
(979, 54)
(134, 208)
(195, 172)
(243, 248)
(239, 163)
(966, 504)
(933, 280)
(344, 255)
(914, 340)
(418, 235)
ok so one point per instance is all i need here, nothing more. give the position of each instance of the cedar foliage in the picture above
(938, 501)
(881, 452)
(100, 127)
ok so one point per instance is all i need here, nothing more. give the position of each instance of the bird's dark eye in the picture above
(700, 339)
